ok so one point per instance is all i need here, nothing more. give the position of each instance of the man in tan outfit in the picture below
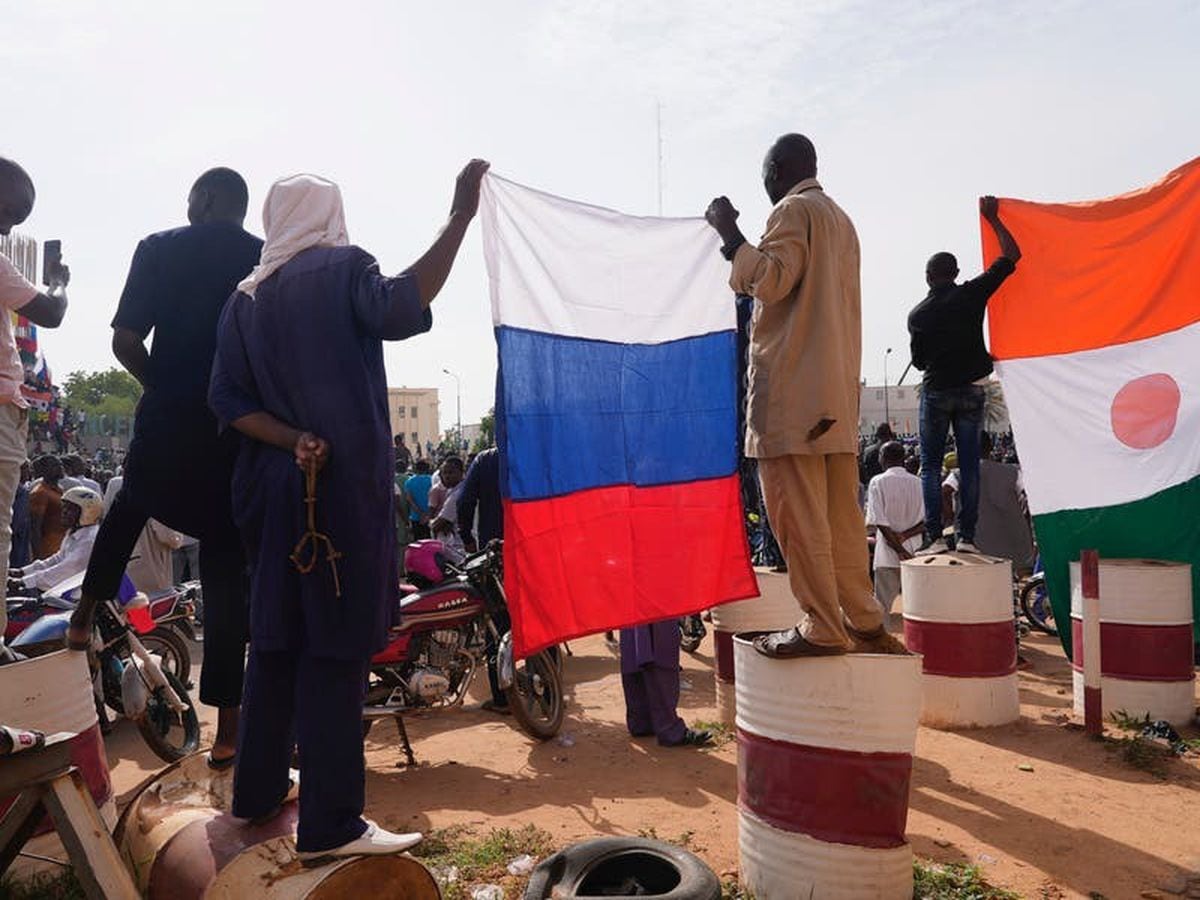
(802, 416)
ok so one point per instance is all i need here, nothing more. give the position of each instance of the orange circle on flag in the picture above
(1145, 410)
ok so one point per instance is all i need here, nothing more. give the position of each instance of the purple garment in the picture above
(650, 678)
(654, 644)
(308, 348)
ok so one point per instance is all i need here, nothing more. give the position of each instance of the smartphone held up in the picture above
(54, 273)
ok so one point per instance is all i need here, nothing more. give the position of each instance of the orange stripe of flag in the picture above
(1099, 273)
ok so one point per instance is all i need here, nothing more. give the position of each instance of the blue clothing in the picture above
(178, 467)
(417, 488)
(481, 490)
(308, 349)
(959, 408)
(19, 554)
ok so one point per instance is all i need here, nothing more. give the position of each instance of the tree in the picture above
(112, 393)
(487, 432)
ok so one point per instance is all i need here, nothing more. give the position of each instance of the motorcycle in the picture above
(450, 613)
(164, 623)
(128, 677)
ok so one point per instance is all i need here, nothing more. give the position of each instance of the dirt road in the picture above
(1082, 820)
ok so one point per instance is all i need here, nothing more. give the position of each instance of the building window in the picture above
(899, 393)
(416, 439)
(414, 412)
(879, 395)
(400, 411)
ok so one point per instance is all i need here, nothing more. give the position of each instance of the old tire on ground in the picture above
(637, 866)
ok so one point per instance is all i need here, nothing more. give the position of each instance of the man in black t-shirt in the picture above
(179, 466)
(946, 330)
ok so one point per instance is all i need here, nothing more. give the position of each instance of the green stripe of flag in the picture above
(1165, 525)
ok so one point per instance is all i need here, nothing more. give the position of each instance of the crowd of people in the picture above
(233, 407)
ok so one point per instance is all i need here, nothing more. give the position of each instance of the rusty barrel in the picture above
(825, 749)
(53, 693)
(774, 609)
(958, 614)
(181, 843)
(1146, 643)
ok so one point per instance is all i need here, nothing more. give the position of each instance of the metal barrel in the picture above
(53, 693)
(774, 609)
(825, 750)
(181, 843)
(1146, 643)
(958, 614)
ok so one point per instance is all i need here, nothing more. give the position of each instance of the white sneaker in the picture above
(966, 547)
(929, 548)
(373, 842)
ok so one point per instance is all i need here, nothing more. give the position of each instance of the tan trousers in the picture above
(812, 504)
(13, 425)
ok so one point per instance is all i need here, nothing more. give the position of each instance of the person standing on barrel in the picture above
(802, 405)
(299, 374)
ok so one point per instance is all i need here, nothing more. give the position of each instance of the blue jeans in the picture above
(960, 408)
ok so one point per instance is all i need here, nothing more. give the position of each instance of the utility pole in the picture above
(458, 447)
(887, 415)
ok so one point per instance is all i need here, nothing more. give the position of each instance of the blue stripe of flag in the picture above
(574, 414)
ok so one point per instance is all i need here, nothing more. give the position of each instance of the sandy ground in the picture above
(1083, 820)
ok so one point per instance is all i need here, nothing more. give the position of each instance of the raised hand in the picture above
(466, 188)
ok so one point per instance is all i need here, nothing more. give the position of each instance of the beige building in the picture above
(414, 413)
(904, 408)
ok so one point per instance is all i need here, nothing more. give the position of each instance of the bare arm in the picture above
(48, 309)
(433, 268)
(130, 351)
(265, 428)
(989, 208)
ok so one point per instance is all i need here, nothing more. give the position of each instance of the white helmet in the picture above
(91, 505)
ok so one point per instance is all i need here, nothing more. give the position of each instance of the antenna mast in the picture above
(658, 119)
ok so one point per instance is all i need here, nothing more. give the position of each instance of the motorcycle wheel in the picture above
(536, 697)
(168, 645)
(170, 736)
(1035, 603)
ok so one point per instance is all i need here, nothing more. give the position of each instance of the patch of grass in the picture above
(481, 859)
(1140, 754)
(686, 840)
(1126, 722)
(44, 886)
(934, 881)
(722, 734)
(731, 890)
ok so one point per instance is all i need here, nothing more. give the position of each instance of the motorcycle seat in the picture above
(406, 588)
(54, 602)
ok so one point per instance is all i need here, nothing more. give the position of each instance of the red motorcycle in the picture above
(450, 615)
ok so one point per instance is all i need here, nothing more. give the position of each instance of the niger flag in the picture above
(1097, 343)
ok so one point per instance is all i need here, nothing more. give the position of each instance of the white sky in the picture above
(916, 108)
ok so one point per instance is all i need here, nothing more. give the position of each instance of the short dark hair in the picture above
(12, 173)
(796, 150)
(453, 461)
(227, 187)
(892, 454)
(942, 265)
(421, 467)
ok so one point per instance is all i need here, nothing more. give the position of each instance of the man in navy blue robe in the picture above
(300, 374)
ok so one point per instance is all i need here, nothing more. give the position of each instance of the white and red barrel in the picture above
(774, 609)
(825, 749)
(1146, 644)
(181, 843)
(958, 614)
(52, 694)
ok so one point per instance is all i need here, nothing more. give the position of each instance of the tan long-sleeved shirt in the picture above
(806, 333)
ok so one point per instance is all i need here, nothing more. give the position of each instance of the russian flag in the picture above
(616, 416)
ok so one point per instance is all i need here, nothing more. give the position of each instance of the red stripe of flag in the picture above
(620, 556)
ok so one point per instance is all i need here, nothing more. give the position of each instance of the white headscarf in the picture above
(300, 212)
